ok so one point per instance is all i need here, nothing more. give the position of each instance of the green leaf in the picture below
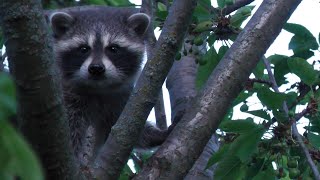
(161, 6)
(300, 47)
(95, 2)
(259, 70)
(21, 160)
(281, 67)
(238, 126)
(126, 173)
(301, 31)
(230, 168)
(7, 96)
(241, 15)
(246, 144)
(271, 99)
(222, 51)
(162, 15)
(280, 115)
(201, 12)
(314, 139)
(211, 39)
(291, 98)
(313, 128)
(220, 154)
(303, 69)
(241, 97)
(267, 174)
(260, 113)
(221, 3)
(302, 41)
(204, 71)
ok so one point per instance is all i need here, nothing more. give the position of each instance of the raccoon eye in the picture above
(113, 49)
(84, 49)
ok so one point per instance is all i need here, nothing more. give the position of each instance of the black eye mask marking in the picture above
(125, 60)
(72, 60)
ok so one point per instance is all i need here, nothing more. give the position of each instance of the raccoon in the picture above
(99, 51)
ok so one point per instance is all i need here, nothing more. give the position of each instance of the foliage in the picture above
(17, 158)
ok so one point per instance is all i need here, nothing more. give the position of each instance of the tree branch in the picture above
(178, 153)
(161, 120)
(149, 8)
(2, 57)
(125, 132)
(40, 105)
(183, 74)
(238, 4)
(295, 131)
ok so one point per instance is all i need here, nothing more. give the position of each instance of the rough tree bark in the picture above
(40, 107)
(184, 145)
(125, 132)
(149, 7)
(183, 74)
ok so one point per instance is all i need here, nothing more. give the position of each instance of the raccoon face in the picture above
(99, 48)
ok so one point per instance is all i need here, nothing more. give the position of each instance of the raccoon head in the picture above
(99, 49)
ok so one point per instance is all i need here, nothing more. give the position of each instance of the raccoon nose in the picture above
(96, 69)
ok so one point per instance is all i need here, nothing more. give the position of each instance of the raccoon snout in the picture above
(96, 69)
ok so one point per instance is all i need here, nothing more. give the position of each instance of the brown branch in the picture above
(229, 9)
(161, 120)
(293, 126)
(40, 105)
(238, 4)
(126, 131)
(302, 94)
(303, 113)
(149, 7)
(262, 81)
(2, 57)
(186, 142)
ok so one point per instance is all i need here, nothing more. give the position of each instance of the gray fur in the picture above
(93, 106)
(94, 102)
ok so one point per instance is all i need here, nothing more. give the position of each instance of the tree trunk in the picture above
(40, 105)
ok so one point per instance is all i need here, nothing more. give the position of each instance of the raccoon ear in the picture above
(60, 22)
(139, 22)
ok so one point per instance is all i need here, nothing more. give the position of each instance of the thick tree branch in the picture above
(125, 132)
(186, 142)
(40, 105)
(148, 7)
(294, 129)
(183, 74)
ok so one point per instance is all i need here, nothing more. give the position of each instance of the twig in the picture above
(229, 9)
(294, 125)
(238, 4)
(298, 116)
(262, 81)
